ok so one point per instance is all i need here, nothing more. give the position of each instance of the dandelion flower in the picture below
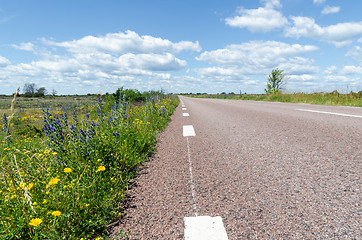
(67, 170)
(30, 186)
(56, 213)
(35, 222)
(53, 181)
(101, 168)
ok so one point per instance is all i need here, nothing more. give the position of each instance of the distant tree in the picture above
(40, 92)
(54, 92)
(276, 81)
(29, 89)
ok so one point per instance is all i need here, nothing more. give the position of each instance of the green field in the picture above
(333, 98)
(66, 161)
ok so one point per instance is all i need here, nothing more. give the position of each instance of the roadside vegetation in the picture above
(274, 93)
(332, 98)
(65, 168)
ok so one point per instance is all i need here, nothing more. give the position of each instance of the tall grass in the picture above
(67, 181)
(333, 98)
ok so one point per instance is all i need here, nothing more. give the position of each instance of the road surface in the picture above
(251, 170)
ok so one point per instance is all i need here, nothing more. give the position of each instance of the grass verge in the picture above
(65, 180)
(333, 98)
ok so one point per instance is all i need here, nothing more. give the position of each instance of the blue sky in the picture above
(85, 46)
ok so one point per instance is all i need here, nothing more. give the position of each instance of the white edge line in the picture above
(333, 113)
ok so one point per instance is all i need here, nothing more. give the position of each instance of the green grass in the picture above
(333, 98)
(68, 181)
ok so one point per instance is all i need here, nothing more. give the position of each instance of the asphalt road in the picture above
(269, 170)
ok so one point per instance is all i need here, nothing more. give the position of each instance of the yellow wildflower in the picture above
(67, 170)
(35, 222)
(30, 186)
(53, 181)
(56, 213)
(101, 168)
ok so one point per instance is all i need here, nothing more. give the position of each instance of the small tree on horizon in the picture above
(276, 81)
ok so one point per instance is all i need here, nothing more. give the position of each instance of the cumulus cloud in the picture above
(299, 65)
(255, 54)
(103, 62)
(118, 43)
(236, 63)
(262, 19)
(351, 70)
(355, 53)
(331, 69)
(154, 62)
(330, 9)
(341, 34)
(4, 62)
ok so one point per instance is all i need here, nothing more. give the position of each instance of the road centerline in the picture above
(194, 204)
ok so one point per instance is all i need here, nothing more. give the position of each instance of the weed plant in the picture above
(67, 181)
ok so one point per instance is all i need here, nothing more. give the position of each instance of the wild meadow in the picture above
(64, 169)
(332, 98)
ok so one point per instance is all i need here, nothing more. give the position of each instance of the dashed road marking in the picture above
(200, 227)
(185, 114)
(204, 228)
(194, 205)
(184, 109)
(333, 113)
(183, 105)
(188, 130)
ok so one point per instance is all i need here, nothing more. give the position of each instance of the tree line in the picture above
(32, 90)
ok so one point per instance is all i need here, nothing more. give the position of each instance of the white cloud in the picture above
(236, 63)
(331, 69)
(303, 78)
(154, 62)
(351, 70)
(330, 9)
(104, 62)
(299, 65)
(255, 56)
(341, 34)
(262, 19)
(24, 46)
(118, 43)
(318, 1)
(355, 53)
(4, 62)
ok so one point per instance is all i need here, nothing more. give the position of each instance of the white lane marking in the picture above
(333, 113)
(184, 108)
(191, 178)
(204, 228)
(183, 105)
(188, 130)
(185, 114)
